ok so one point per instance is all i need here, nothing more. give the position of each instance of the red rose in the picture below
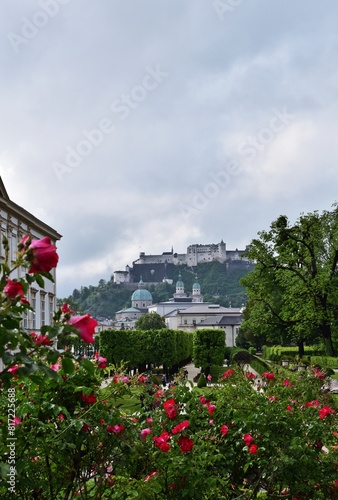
(211, 408)
(41, 255)
(324, 411)
(39, 339)
(65, 309)
(85, 325)
(224, 430)
(161, 441)
(88, 399)
(186, 444)
(170, 408)
(115, 429)
(13, 289)
(248, 439)
(180, 427)
(253, 449)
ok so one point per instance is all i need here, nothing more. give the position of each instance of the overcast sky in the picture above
(134, 126)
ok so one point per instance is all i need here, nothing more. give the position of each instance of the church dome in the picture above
(141, 293)
(196, 285)
(179, 283)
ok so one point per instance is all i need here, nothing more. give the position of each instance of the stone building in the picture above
(15, 223)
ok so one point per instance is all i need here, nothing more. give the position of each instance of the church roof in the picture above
(141, 293)
(179, 283)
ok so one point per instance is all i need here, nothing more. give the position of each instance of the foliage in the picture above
(325, 361)
(201, 382)
(142, 348)
(64, 433)
(293, 292)
(208, 348)
(277, 352)
(150, 321)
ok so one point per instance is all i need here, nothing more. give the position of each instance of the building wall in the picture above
(15, 223)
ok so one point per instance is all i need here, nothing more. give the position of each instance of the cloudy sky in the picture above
(135, 126)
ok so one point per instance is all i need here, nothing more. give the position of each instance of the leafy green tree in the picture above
(150, 321)
(293, 293)
(209, 347)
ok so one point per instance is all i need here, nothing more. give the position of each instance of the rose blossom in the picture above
(145, 432)
(41, 255)
(248, 439)
(85, 325)
(180, 427)
(324, 411)
(65, 309)
(115, 429)
(13, 289)
(170, 408)
(211, 408)
(161, 441)
(88, 399)
(13, 369)
(253, 449)
(186, 444)
(40, 339)
(224, 430)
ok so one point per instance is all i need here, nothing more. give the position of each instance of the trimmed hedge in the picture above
(138, 348)
(324, 361)
(278, 352)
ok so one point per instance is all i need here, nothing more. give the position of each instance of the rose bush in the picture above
(237, 439)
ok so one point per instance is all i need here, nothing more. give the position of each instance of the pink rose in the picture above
(41, 255)
(145, 432)
(85, 325)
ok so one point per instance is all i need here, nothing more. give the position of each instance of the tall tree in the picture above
(293, 291)
(150, 321)
(209, 346)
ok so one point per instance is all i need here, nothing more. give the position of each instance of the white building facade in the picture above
(15, 223)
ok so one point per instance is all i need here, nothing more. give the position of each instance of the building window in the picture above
(24, 320)
(51, 309)
(42, 309)
(32, 313)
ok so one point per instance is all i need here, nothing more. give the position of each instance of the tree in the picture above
(209, 347)
(150, 321)
(293, 293)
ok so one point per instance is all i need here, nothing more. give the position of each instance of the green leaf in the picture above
(11, 323)
(68, 366)
(51, 373)
(88, 365)
(40, 281)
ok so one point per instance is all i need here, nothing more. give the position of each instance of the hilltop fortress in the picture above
(158, 268)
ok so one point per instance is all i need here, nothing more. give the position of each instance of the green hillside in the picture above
(220, 283)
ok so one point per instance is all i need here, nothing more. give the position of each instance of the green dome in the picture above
(141, 294)
(179, 283)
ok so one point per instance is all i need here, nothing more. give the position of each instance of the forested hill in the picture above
(219, 283)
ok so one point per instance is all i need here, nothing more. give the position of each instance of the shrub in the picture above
(201, 381)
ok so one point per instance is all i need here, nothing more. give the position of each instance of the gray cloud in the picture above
(158, 145)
